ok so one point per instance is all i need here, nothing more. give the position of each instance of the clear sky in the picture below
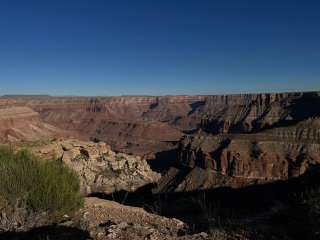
(158, 47)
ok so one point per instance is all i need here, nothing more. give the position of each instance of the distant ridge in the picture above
(160, 96)
(25, 96)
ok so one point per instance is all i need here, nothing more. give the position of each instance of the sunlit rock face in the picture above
(100, 169)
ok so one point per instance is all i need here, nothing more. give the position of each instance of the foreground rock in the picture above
(108, 220)
(100, 169)
(99, 220)
(105, 219)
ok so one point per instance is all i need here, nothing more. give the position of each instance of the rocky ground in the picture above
(107, 220)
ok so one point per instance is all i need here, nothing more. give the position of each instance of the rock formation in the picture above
(100, 169)
(255, 112)
(110, 220)
(240, 159)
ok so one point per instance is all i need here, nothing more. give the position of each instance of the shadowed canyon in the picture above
(199, 153)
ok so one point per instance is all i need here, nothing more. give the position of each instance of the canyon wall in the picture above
(272, 154)
(23, 123)
(215, 114)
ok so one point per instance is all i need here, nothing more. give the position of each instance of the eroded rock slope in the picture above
(23, 123)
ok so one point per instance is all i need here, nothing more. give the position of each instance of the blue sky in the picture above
(158, 47)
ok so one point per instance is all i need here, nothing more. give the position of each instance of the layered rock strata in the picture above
(23, 123)
(240, 159)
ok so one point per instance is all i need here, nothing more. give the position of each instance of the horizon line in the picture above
(163, 95)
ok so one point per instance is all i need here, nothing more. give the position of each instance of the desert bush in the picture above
(41, 185)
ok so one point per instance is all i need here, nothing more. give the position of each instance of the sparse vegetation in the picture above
(38, 184)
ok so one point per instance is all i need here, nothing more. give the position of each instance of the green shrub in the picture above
(43, 185)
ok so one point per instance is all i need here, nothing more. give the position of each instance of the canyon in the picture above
(150, 151)
(155, 128)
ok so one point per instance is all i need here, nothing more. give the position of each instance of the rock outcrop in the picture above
(241, 159)
(105, 219)
(101, 170)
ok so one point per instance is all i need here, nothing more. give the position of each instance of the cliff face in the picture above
(214, 114)
(206, 161)
(256, 156)
(255, 112)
